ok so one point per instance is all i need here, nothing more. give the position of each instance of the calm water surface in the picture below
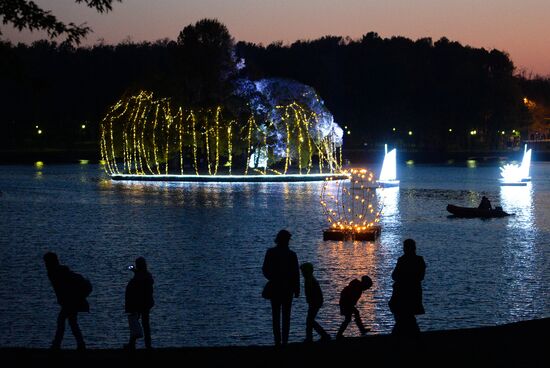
(205, 245)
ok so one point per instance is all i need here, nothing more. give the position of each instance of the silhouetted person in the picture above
(348, 299)
(71, 290)
(139, 300)
(485, 204)
(406, 299)
(281, 269)
(314, 299)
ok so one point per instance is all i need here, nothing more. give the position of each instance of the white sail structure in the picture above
(388, 174)
(513, 174)
(526, 164)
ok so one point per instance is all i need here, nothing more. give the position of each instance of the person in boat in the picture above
(485, 204)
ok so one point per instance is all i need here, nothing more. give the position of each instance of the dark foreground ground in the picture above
(523, 344)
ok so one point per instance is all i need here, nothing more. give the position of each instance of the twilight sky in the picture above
(519, 27)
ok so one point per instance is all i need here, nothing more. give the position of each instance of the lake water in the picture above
(205, 245)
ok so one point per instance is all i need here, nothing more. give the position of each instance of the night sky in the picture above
(520, 28)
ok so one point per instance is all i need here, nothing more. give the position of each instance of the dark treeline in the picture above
(50, 91)
(375, 84)
(371, 85)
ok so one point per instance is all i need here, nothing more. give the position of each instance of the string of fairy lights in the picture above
(141, 135)
(350, 205)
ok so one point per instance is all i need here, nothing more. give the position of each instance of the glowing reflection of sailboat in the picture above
(388, 199)
(520, 202)
(388, 174)
(517, 175)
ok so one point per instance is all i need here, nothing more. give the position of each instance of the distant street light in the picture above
(410, 132)
(83, 126)
(39, 131)
(450, 130)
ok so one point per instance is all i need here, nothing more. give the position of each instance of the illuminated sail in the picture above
(525, 164)
(388, 174)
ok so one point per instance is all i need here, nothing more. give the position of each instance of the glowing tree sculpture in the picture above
(142, 135)
(350, 205)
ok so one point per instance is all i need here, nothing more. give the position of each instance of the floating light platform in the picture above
(267, 178)
(388, 183)
(369, 234)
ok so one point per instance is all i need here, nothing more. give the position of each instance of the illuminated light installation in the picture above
(144, 137)
(351, 207)
(517, 175)
(388, 174)
(526, 164)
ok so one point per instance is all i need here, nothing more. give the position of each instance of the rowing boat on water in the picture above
(471, 212)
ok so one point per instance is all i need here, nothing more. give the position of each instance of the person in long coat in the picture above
(139, 300)
(406, 299)
(281, 268)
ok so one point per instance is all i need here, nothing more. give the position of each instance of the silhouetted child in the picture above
(314, 298)
(348, 299)
(71, 290)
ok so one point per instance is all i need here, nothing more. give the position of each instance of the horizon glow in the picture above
(519, 28)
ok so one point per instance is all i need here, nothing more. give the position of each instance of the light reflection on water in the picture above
(205, 243)
(520, 267)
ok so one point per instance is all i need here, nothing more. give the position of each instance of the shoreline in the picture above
(515, 344)
(60, 156)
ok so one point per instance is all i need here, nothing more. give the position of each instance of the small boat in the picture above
(388, 174)
(471, 212)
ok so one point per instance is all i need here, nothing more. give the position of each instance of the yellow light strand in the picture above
(194, 135)
(155, 147)
(180, 131)
(249, 143)
(206, 128)
(229, 147)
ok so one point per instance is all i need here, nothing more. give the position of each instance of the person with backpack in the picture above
(138, 303)
(348, 299)
(71, 290)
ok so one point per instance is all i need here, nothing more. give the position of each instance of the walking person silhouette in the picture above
(406, 299)
(71, 290)
(314, 299)
(138, 303)
(280, 267)
(348, 299)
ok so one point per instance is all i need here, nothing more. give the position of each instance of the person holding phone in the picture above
(139, 301)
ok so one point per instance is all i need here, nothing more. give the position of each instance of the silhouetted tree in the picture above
(207, 62)
(26, 14)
